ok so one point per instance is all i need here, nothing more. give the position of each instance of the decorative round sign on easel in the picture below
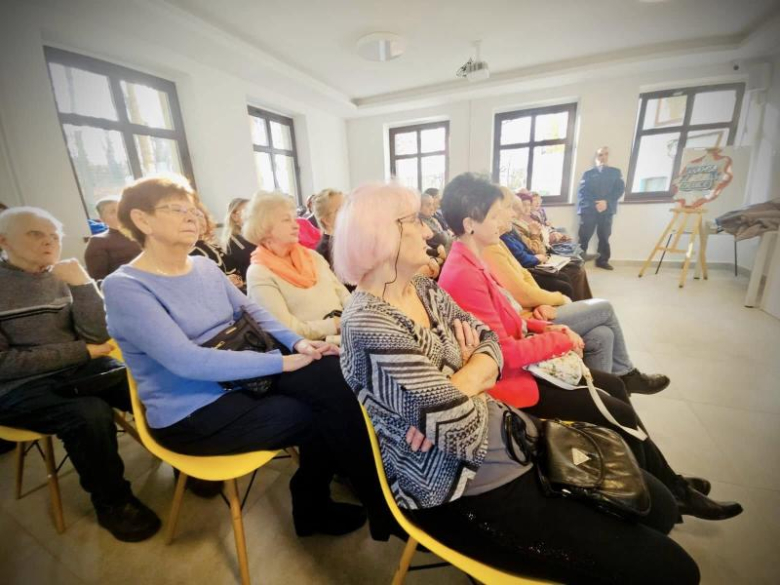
(702, 179)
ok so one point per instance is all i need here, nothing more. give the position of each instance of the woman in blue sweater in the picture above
(160, 309)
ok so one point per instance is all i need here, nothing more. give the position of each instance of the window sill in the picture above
(633, 199)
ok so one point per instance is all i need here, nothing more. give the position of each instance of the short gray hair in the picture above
(14, 214)
(101, 204)
(257, 216)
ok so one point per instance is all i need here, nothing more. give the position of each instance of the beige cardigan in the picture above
(299, 309)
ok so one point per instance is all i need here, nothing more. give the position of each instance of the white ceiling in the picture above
(318, 37)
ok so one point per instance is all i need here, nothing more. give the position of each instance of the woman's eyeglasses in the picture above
(182, 211)
(412, 218)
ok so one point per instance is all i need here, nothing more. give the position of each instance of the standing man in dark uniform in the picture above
(597, 199)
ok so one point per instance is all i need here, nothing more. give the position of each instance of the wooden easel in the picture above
(678, 224)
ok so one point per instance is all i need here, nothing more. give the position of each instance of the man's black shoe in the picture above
(604, 265)
(638, 383)
(696, 504)
(129, 522)
(699, 484)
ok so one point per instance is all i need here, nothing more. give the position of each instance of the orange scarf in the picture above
(298, 271)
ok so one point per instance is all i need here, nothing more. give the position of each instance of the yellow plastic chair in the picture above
(475, 569)
(21, 437)
(227, 468)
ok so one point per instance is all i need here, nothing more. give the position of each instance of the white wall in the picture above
(215, 81)
(607, 111)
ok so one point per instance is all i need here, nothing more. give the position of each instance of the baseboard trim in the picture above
(729, 266)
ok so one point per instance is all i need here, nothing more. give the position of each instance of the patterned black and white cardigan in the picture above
(400, 372)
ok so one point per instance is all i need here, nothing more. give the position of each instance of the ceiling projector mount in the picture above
(475, 69)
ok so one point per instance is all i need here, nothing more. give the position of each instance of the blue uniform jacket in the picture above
(596, 185)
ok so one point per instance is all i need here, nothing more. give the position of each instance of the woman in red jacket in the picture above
(472, 208)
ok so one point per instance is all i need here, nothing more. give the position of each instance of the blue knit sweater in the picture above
(159, 322)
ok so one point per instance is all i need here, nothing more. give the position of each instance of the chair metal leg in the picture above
(178, 496)
(20, 452)
(238, 529)
(735, 258)
(54, 485)
(406, 560)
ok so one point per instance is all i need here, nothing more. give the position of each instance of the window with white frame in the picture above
(419, 155)
(276, 156)
(672, 120)
(533, 149)
(119, 124)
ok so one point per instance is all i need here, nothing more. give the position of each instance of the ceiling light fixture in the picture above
(381, 46)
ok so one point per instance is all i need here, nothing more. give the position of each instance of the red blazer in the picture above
(467, 279)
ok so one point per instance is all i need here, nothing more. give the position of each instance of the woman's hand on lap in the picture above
(325, 348)
(296, 361)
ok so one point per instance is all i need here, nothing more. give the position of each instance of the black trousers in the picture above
(85, 424)
(577, 405)
(516, 528)
(571, 280)
(312, 408)
(601, 223)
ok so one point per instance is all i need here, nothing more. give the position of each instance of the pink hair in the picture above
(365, 235)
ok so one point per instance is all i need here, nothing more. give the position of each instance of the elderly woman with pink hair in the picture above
(422, 367)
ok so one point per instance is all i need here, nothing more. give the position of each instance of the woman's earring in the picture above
(471, 232)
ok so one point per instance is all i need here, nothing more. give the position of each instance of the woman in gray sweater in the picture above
(421, 366)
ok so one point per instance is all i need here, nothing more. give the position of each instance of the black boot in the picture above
(699, 484)
(638, 383)
(131, 521)
(696, 504)
(330, 517)
(314, 512)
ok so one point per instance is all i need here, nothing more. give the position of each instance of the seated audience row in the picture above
(416, 359)
(438, 371)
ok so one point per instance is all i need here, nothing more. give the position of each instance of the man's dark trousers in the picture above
(601, 223)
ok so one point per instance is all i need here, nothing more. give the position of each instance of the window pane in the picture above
(433, 169)
(654, 162)
(516, 131)
(157, 155)
(707, 138)
(147, 106)
(547, 177)
(265, 173)
(280, 136)
(406, 143)
(433, 140)
(259, 132)
(100, 159)
(551, 126)
(713, 106)
(406, 172)
(285, 174)
(81, 92)
(666, 111)
(513, 168)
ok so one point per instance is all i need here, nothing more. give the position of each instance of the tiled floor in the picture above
(720, 419)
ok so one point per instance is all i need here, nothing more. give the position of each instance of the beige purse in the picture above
(566, 371)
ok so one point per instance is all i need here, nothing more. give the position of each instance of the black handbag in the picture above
(594, 464)
(581, 461)
(245, 335)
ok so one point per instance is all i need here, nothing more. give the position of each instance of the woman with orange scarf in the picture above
(291, 281)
